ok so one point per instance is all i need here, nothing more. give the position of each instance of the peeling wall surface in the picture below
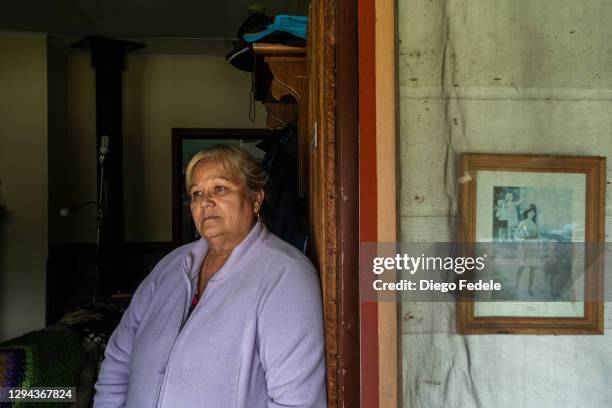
(504, 76)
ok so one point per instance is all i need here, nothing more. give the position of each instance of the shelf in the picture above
(281, 74)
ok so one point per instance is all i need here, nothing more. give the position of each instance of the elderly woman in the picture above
(231, 320)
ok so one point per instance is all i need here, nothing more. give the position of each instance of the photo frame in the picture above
(540, 219)
(185, 143)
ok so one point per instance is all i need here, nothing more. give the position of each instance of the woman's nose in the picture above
(207, 200)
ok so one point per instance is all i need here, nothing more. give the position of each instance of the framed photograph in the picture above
(539, 221)
(185, 144)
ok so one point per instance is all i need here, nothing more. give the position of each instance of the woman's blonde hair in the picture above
(236, 161)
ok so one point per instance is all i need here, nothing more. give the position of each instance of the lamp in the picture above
(66, 211)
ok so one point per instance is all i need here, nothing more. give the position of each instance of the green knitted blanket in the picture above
(44, 358)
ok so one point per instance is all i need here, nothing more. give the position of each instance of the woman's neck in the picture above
(221, 247)
(220, 250)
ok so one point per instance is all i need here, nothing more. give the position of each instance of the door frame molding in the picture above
(378, 192)
(333, 113)
(356, 82)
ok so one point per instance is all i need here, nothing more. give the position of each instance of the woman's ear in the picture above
(258, 198)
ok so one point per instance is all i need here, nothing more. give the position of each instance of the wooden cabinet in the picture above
(281, 76)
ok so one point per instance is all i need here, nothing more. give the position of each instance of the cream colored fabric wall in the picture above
(506, 76)
(160, 93)
(23, 171)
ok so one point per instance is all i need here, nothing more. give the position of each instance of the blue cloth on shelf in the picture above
(294, 25)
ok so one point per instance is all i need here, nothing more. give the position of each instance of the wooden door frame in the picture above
(356, 43)
(380, 379)
(347, 170)
(334, 109)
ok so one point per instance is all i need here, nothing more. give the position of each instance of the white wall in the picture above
(23, 171)
(160, 93)
(502, 76)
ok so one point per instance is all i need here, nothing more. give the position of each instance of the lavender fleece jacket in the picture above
(255, 339)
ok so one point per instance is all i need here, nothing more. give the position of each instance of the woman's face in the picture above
(530, 214)
(221, 207)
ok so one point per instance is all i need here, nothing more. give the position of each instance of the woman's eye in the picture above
(220, 189)
(196, 194)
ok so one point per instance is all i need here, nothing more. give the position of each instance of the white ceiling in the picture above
(167, 27)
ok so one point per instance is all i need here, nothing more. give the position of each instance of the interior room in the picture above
(478, 130)
(120, 96)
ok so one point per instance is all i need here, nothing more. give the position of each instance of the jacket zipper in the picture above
(181, 329)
